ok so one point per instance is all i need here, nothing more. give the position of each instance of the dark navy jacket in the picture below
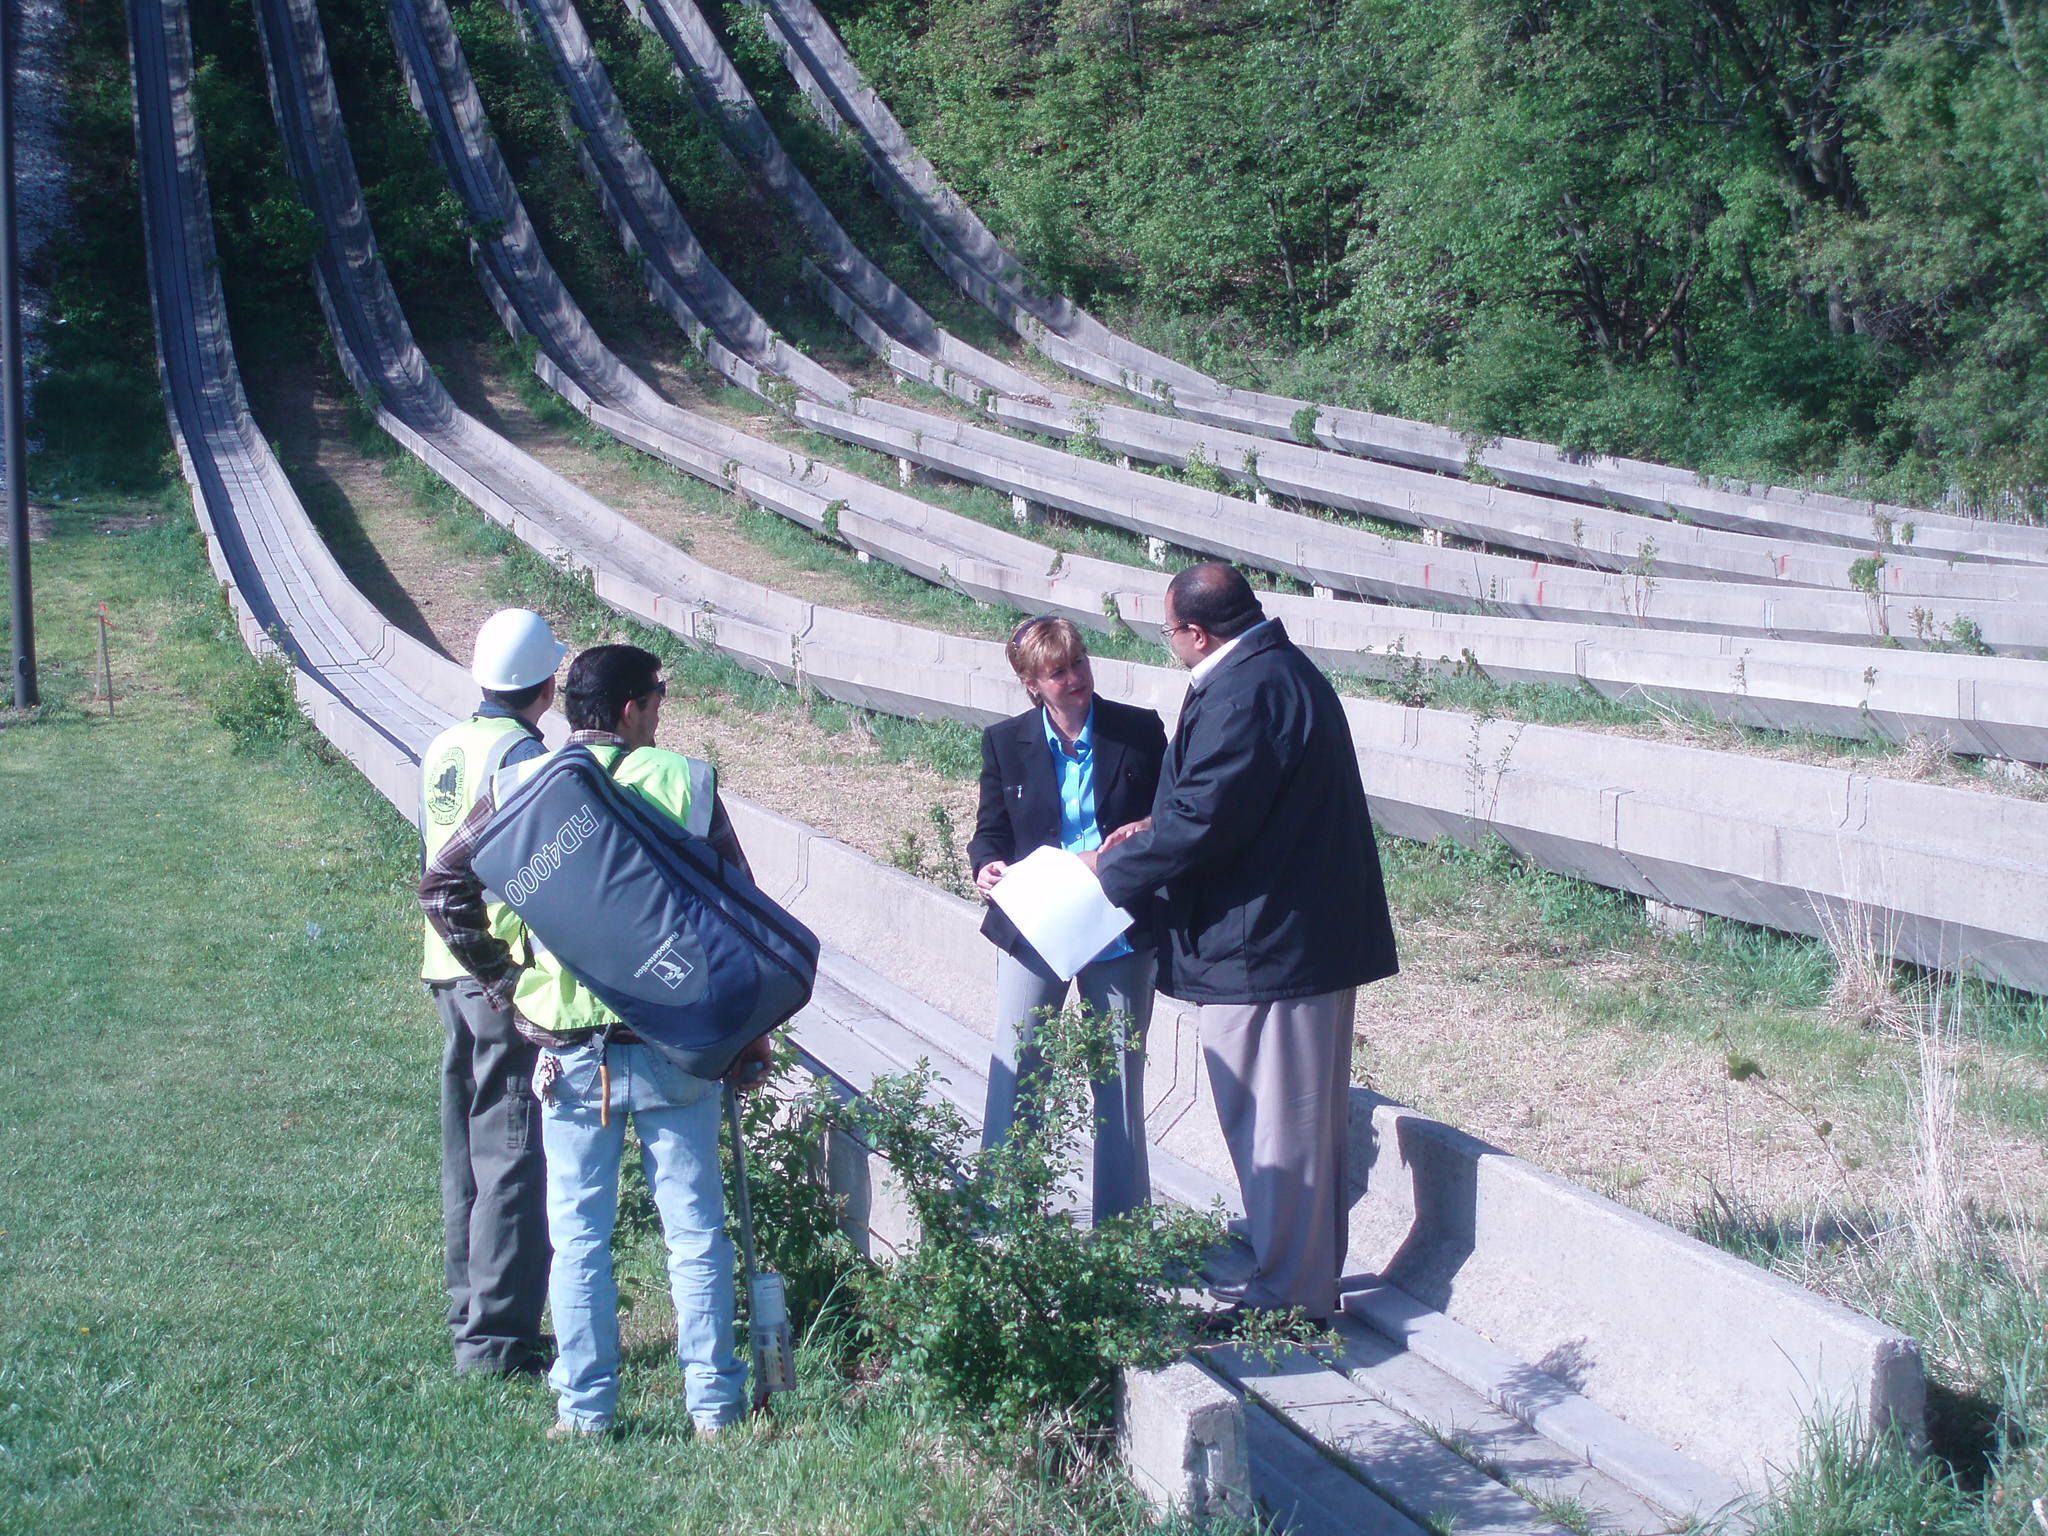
(1020, 797)
(1261, 839)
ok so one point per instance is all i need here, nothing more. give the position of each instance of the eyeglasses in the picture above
(1168, 631)
(659, 690)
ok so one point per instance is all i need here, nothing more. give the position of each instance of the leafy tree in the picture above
(1772, 237)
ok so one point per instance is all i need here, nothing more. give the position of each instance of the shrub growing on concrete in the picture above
(1009, 1311)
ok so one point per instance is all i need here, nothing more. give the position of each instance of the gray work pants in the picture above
(1281, 1075)
(1123, 1178)
(493, 1183)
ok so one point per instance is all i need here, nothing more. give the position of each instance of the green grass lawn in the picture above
(219, 1232)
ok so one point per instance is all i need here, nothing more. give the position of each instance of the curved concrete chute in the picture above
(1623, 543)
(1571, 533)
(380, 696)
(723, 98)
(1780, 684)
(1976, 705)
(966, 249)
(286, 590)
(679, 273)
(1345, 558)
(504, 239)
(384, 362)
(958, 241)
(1768, 842)
(1575, 533)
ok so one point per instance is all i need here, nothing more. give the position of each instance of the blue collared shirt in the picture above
(1074, 772)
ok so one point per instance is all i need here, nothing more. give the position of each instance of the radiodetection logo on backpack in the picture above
(669, 967)
(532, 875)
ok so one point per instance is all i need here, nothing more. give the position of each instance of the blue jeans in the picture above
(677, 1116)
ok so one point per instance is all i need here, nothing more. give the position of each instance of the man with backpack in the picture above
(493, 1191)
(594, 1074)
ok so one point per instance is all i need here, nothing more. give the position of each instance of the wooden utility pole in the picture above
(26, 694)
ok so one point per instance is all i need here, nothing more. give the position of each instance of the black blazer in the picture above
(1020, 797)
(1261, 839)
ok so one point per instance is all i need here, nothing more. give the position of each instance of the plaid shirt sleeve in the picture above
(453, 899)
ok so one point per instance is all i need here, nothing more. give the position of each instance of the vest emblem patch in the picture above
(444, 789)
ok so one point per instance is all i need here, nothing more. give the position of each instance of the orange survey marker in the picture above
(106, 677)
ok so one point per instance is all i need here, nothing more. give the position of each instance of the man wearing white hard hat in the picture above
(493, 1179)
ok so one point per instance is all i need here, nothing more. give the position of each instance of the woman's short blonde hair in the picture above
(1042, 645)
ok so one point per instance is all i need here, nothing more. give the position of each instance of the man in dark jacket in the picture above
(1274, 916)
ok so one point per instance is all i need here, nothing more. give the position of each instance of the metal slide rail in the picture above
(965, 248)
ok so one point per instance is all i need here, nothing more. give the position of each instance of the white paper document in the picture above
(1057, 904)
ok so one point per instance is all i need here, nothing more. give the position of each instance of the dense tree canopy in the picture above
(1762, 236)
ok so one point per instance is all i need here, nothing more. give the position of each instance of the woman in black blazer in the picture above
(1071, 772)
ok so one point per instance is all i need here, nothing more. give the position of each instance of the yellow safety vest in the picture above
(683, 787)
(457, 765)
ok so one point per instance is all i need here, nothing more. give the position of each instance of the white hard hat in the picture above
(515, 649)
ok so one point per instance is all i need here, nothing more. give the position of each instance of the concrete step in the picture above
(1614, 1450)
(1497, 1443)
(1300, 1490)
(1405, 1464)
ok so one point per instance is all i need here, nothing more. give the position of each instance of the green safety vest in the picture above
(458, 764)
(685, 788)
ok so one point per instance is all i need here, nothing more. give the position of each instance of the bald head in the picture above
(1215, 596)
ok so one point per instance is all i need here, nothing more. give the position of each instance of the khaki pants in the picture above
(1281, 1075)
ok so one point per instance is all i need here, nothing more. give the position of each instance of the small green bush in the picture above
(256, 706)
(938, 860)
(1007, 1312)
